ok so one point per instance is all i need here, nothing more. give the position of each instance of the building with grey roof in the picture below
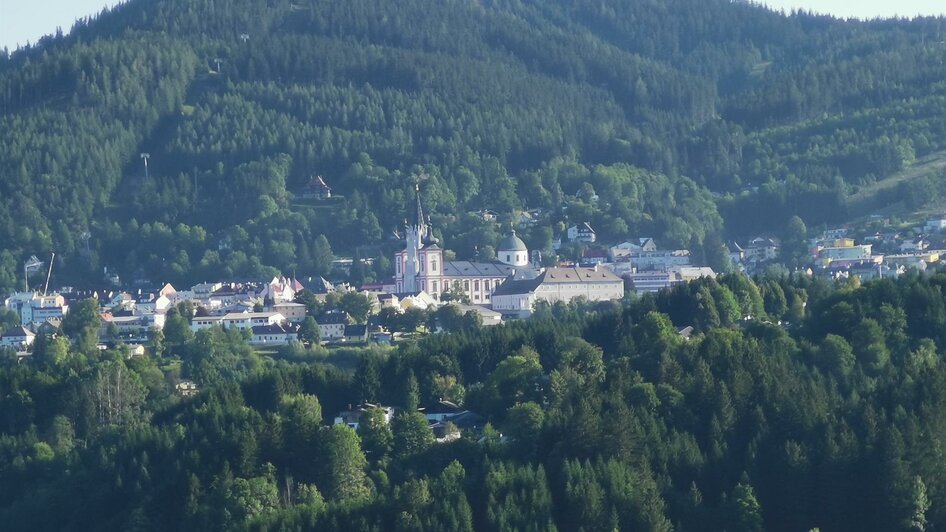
(518, 297)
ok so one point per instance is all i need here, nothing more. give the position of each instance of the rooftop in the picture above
(512, 243)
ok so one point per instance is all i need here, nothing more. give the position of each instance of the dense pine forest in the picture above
(689, 121)
(826, 409)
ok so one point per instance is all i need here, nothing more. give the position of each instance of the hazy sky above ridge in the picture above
(863, 8)
(23, 21)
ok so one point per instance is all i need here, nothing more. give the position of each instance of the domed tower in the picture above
(513, 251)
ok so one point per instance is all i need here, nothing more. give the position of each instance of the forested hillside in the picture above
(600, 418)
(647, 106)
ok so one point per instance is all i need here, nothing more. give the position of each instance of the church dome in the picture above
(512, 243)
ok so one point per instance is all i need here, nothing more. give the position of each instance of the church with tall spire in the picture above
(420, 265)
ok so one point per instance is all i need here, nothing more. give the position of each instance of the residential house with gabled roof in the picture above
(332, 325)
(352, 416)
(49, 327)
(320, 287)
(582, 233)
(276, 334)
(17, 338)
(761, 249)
(281, 289)
(356, 332)
(592, 256)
(736, 253)
(168, 291)
(315, 188)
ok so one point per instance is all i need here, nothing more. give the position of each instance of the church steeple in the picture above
(416, 236)
(420, 208)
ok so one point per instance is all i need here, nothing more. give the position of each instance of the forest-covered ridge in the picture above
(495, 104)
(823, 410)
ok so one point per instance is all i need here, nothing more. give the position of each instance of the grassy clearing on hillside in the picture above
(870, 199)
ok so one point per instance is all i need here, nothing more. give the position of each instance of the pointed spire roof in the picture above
(420, 208)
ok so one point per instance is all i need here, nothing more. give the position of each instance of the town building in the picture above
(762, 249)
(654, 281)
(237, 320)
(274, 335)
(294, 312)
(352, 416)
(33, 307)
(518, 297)
(356, 332)
(281, 289)
(582, 233)
(17, 338)
(332, 325)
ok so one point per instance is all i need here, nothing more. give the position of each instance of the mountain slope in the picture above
(501, 105)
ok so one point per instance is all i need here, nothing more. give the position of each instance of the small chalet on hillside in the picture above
(315, 189)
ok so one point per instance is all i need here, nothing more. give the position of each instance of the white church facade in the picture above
(420, 266)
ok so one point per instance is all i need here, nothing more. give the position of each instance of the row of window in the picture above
(402, 260)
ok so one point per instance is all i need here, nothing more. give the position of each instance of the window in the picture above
(434, 286)
(476, 286)
(433, 265)
(466, 285)
(486, 285)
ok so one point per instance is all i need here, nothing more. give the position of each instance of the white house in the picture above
(247, 320)
(202, 291)
(237, 320)
(147, 304)
(761, 249)
(332, 325)
(582, 233)
(17, 338)
(204, 322)
(628, 247)
(274, 335)
(352, 416)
